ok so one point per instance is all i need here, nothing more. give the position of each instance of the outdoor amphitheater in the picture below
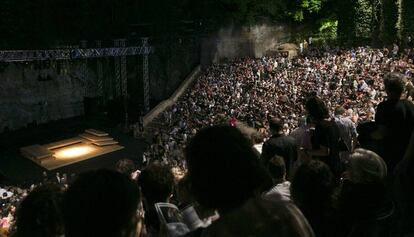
(216, 118)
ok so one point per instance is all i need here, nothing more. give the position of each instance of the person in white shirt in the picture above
(277, 169)
(257, 139)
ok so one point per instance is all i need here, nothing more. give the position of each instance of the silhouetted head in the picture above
(394, 84)
(157, 182)
(40, 213)
(223, 169)
(316, 109)
(312, 186)
(277, 168)
(275, 125)
(101, 203)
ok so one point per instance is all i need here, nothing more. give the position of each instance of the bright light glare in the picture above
(73, 152)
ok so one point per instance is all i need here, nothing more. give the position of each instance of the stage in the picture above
(79, 156)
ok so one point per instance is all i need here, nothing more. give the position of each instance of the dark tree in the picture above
(389, 17)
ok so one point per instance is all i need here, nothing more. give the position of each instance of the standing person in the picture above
(364, 205)
(395, 120)
(395, 50)
(225, 174)
(279, 144)
(141, 122)
(409, 42)
(312, 190)
(403, 190)
(302, 135)
(347, 130)
(326, 137)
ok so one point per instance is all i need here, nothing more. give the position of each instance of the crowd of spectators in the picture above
(318, 145)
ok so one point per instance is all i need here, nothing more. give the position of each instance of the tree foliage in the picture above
(346, 20)
(328, 28)
(44, 23)
(364, 11)
(406, 19)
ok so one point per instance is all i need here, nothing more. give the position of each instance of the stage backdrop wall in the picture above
(35, 93)
(29, 94)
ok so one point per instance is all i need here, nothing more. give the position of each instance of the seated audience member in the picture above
(279, 144)
(277, 169)
(226, 174)
(102, 203)
(312, 191)
(127, 167)
(325, 139)
(364, 205)
(40, 213)
(157, 185)
(395, 116)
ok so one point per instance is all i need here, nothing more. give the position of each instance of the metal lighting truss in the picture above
(145, 77)
(67, 54)
(119, 52)
(99, 70)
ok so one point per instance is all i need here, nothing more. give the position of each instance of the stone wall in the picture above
(36, 93)
(173, 60)
(32, 95)
(234, 42)
(165, 104)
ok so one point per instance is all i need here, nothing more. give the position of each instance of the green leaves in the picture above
(312, 6)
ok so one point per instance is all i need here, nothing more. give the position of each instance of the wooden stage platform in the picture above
(90, 144)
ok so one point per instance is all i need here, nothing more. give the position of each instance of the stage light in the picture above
(74, 151)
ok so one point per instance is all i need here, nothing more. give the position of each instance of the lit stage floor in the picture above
(86, 146)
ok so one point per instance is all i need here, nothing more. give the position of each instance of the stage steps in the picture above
(36, 152)
(96, 132)
(105, 143)
(94, 138)
(66, 142)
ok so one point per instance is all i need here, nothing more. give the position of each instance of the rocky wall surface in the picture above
(235, 42)
(29, 95)
(172, 62)
(36, 93)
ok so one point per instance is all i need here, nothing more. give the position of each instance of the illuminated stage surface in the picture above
(69, 151)
(21, 171)
(76, 153)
